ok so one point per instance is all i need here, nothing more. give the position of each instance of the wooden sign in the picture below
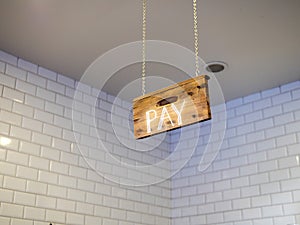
(172, 107)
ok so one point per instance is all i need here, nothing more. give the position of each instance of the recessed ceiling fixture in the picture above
(215, 67)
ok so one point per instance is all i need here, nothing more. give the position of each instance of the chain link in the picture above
(197, 72)
(144, 48)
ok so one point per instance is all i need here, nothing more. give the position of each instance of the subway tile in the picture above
(282, 198)
(241, 203)
(281, 98)
(52, 130)
(223, 206)
(262, 104)
(17, 158)
(232, 194)
(277, 175)
(245, 129)
(34, 213)
(295, 172)
(43, 116)
(15, 221)
(25, 87)
(243, 109)
(54, 108)
(35, 102)
(215, 218)
(2, 67)
(41, 139)
(288, 162)
(38, 163)
(32, 124)
(102, 211)
(234, 103)
(284, 220)
(56, 216)
(15, 72)
(259, 178)
(67, 181)
(264, 124)
(84, 208)
(11, 210)
(14, 183)
(255, 116)
(214, 197)
(252, 213)
(55, 87)
(291, 184)
(267, 221)
(277, 153)
(284, 118)
(255, 137)
(60, 168)
(292, 208)
(270, 188)
(4, 128)
(13, 94)
(231, 216)
(290, 86)
(36, 80)
(6, 104)
(83, 196)
(47, 73)
(48, 177)
(252, 98)
(250, 191)
(272, 111)
(261, 200)
(270, 165)
(292, 127)
(45, 202)
(20, 133)
(8, 168)
(296, 94)
(286, 140)
(27, 173)
(66, 80)
(22, 198)
(45, 94)
(7, 81)
(27, 65)
(36, 187)
(8, 58)
(6, 195)
(22, 109)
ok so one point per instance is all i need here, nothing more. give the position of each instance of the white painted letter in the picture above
(162, 118)
(179, 120)
(149, 120)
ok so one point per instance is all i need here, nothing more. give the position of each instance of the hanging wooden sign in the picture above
(172, 107)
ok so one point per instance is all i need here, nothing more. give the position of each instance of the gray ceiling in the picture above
(258, 39)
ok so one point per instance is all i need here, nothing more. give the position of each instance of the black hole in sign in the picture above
(167, 101)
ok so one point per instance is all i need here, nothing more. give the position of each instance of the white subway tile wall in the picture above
(255, 178)
(43, 176)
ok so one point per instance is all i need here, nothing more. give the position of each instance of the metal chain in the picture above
(144, 48)
(196, 37)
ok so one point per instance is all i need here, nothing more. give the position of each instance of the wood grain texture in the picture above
(172, 107)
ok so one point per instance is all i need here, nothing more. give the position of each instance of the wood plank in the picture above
(172, 107)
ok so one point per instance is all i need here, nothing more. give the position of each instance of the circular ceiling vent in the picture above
(215, 67)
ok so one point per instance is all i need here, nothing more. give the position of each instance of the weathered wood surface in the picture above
(172, 107)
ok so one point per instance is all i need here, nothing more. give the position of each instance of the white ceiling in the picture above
(258, 39)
